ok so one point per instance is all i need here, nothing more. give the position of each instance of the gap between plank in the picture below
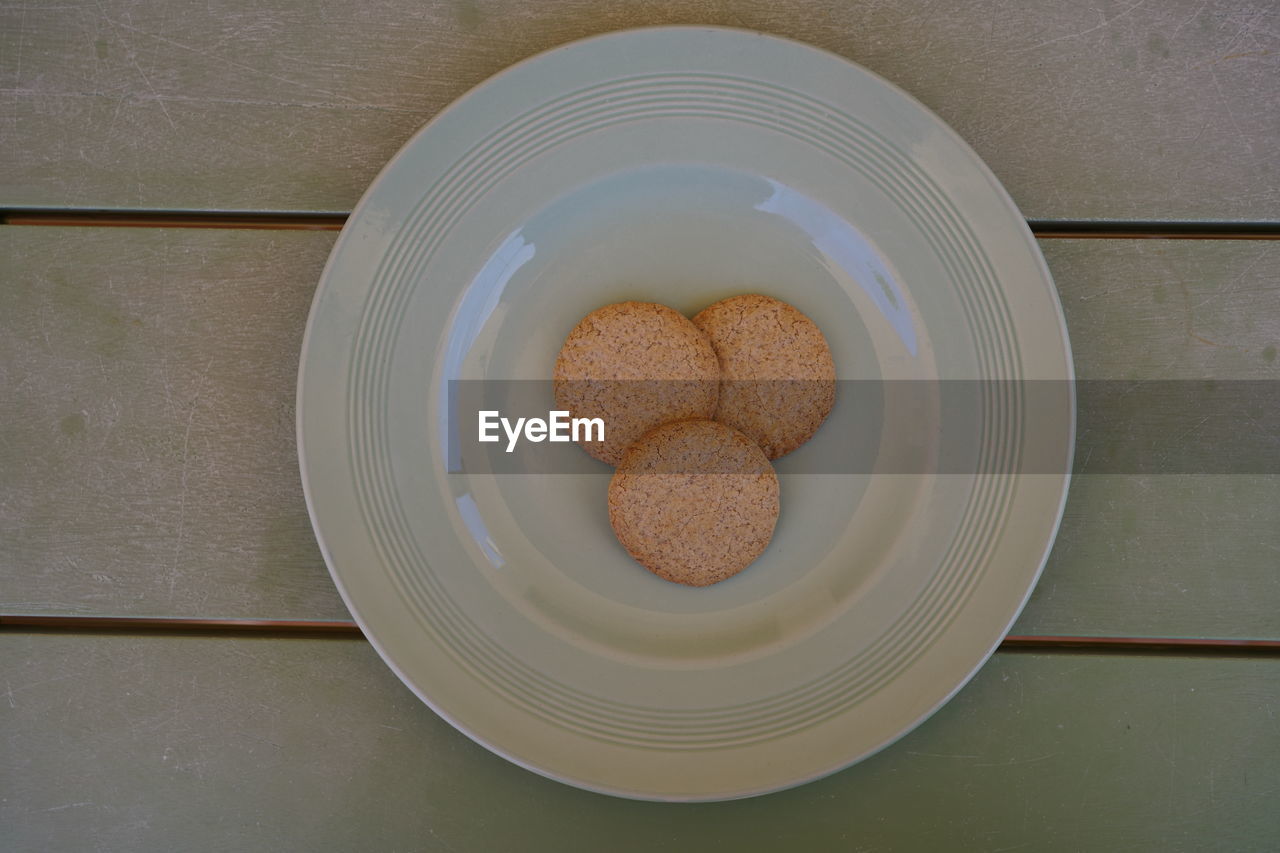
(334, 220)
(341, 629)
(280, 221)
(177, 626)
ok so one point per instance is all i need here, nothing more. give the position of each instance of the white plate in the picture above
(676, 165)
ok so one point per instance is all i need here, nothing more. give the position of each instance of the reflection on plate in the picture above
(677, 165)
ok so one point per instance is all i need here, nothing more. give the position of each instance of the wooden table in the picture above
(148, 469)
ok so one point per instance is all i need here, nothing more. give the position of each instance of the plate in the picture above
(681, 165)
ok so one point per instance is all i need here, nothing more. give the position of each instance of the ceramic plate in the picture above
(679, 165)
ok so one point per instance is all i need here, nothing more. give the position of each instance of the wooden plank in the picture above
(1148, 111)
(1142, 554)
(1158, 309)
(123, 743)
(153, 467)
(152, 471)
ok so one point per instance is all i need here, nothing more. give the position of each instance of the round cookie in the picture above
(694, 502)
(635, 365)
(777, 377)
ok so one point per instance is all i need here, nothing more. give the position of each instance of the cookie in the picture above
(777, 377)
(694, 502)
(635, 365)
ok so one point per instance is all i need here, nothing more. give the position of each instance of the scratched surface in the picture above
(147, 455)
(1134, 109)
(153, 471)
(1187, 554)
(153, 468)
(120, 743)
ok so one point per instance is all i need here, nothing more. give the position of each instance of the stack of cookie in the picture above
(693, 412)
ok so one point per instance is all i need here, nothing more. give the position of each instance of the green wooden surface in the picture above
(1169, 554)
(1102, 110)
(1156, 309)
(152, 469)
(121, 743)
(147, 459)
